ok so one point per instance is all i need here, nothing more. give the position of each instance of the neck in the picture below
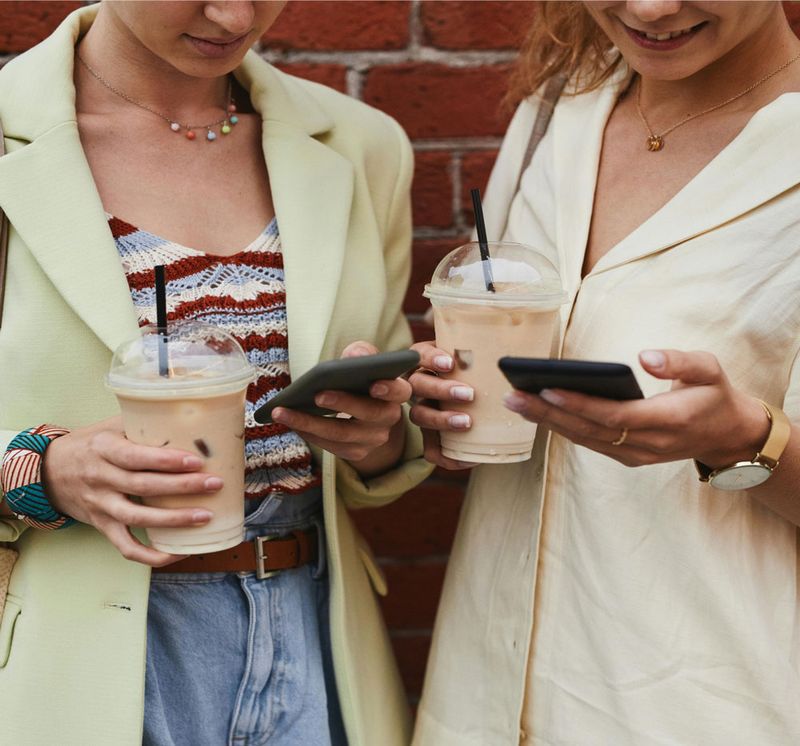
(666, 101)
(111, 49)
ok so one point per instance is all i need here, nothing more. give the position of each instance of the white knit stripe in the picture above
(20, 467)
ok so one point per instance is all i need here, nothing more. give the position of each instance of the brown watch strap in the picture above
(264, 554)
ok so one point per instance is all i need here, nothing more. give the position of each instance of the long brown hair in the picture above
(563, 38)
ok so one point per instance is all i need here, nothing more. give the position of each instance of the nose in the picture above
(653, 10)
(234, 16)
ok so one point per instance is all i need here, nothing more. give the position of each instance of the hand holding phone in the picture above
(352, 375)
(606, 380)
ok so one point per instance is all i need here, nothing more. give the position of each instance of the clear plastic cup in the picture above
(198, 407)
(478, 327)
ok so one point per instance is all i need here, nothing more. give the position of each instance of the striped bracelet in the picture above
(21, 478)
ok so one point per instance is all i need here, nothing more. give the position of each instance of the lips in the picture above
(663, 40)
(216, 48)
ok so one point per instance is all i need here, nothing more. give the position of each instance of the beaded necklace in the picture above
(227, 121)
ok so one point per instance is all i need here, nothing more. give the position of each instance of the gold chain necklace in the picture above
(655, 142)
(227, 121)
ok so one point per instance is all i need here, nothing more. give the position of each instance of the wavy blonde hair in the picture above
(563, 38)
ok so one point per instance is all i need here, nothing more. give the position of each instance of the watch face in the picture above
(740, 477)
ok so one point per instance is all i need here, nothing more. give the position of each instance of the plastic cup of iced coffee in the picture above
(186, 389)
(477, 326)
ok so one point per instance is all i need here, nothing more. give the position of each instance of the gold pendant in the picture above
(654, 143)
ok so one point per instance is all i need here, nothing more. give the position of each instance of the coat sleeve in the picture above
(393, 334)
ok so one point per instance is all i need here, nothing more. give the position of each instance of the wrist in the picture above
(748, 435)
(21, 477)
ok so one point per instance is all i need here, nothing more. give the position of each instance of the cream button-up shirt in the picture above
(614, 605)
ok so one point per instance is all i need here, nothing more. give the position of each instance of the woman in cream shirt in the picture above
(605, 595)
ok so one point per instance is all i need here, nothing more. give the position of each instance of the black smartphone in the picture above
(606, 380)
(354, 375)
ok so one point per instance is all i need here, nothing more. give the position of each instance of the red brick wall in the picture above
(440, 67)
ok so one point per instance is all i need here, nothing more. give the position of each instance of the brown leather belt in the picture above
(264, 555)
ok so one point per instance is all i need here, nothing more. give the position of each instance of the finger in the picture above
(430, 418)
(364, 408)
(115, 448)
(348, 431)
(433, 358)
(132, 549)
(395, 390)
(573, 426)
(352, 444)
(691, 368)
(359, 349)
(157, 484)
(129, 513)
(433, 453)
(426, 386)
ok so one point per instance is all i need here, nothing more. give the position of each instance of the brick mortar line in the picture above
(423, 233)
(363, 59)
(457, 143)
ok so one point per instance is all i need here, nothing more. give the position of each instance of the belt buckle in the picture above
(261, 556)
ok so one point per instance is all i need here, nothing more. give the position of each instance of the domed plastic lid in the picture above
(198, 359)
(520, 276)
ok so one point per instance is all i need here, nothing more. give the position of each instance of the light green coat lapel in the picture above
(50, 177)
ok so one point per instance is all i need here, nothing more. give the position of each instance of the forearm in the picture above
(781, 492)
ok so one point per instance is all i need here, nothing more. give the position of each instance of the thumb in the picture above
(359, 349)
(691, 368)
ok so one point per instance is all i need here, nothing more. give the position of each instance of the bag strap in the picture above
(3, 238)
(552, 92)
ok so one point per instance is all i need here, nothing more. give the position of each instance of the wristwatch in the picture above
(746, 474)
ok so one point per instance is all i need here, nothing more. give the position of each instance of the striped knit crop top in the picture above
(245, 295)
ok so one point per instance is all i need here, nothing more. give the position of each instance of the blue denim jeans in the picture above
(240, 661)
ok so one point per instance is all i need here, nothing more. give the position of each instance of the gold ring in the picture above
(622, 436)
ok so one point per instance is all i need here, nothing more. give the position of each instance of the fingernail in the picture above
(212, 484)
(192, 462)
(515, 402)
(201, 516)
(380, 389)
(443, 362)
(278, 415)
(459, 421)
(552, 397)
(325, 400)
(462, 393)
(653, 358)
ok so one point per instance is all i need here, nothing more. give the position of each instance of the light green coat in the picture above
(72, 638)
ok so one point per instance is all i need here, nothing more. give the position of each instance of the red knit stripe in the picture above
(120, 228)
(227, 304)
(265, 384)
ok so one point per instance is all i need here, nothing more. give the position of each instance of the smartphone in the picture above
(354, 375)
(606, 380)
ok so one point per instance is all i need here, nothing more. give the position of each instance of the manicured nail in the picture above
(552, 397)
(325, 400)
(443, 362)
(212, 484)
(192, 462)
(653, 358)
(515, 402)
(201, 516)
(380, 389)
(459, 421)
(462, 393)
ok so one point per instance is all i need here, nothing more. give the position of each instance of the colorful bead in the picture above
(231, 107)
(211, 136)
(190, 135)
(225, 129)
(175, 127)
(234, 119)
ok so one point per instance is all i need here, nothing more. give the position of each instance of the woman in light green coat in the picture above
(83, 115)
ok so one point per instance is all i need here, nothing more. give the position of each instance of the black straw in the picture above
(483, 243)
(161, 321)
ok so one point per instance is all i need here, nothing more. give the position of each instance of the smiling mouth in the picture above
(666, 35)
